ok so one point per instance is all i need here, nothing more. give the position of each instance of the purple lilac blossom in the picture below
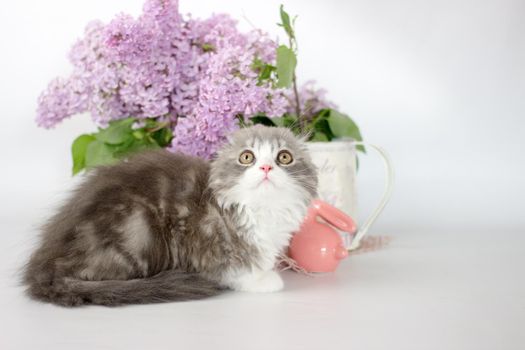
(196, 73)
(311, 100)
(228, 88)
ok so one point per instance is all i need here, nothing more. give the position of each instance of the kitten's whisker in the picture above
(298, 172)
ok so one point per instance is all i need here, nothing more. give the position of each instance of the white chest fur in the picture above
(270, 229)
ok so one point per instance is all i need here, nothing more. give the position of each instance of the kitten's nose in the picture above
(266, 168)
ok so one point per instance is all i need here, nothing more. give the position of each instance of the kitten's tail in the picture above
(163, 287)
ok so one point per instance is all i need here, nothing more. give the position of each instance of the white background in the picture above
(439, 83)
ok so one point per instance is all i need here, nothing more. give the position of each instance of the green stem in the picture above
(159, 127)
(300, 119)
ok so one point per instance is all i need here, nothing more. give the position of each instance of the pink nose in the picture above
(266, 168)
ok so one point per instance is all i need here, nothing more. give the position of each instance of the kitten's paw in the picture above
(265, 282)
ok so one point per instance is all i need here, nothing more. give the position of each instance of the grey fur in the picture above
(150, 229)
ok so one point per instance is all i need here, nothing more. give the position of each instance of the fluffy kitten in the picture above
(168, 227)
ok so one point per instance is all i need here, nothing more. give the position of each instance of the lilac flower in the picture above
(196, 73)
(129, 67)
(311, 100)
(228, 89)
(63, 98)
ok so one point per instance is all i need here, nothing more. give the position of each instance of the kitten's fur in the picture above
(165, 227)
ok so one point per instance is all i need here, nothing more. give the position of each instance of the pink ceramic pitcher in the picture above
(317, 247)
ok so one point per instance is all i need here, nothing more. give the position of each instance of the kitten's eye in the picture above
(284, 157)
(247, 157)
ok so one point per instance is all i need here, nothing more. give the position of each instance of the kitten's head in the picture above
(263, 166)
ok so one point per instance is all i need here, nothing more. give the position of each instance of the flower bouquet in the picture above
(164, 80)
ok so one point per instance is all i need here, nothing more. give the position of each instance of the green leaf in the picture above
(286, 121)
(257, 63)
(264, 70)
(206, 47)
(134, 145)
(162, 137)
(262, 119)
(319, 137)
(99, 153)
(342, 125)
(78, 152)
(286, 63)
(140, 145)
(285, 22)
(323, 113)
(118, 140)
(150, 123)
(138, 134)
(117, 132)
(279, 121)
(322, 127)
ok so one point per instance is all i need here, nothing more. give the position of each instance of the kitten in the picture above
(169, 227)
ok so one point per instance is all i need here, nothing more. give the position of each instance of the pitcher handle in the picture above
(389, 185)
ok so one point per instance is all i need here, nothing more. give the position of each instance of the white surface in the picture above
(448, 290)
